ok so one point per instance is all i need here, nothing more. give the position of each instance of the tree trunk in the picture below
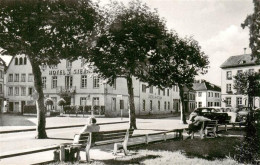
(183, 104)
(131, 102)
(41, 122)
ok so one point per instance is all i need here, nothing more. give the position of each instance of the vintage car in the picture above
(212, 113)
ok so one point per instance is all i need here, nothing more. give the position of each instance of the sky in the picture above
(215, 24)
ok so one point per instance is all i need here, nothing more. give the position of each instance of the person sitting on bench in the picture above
(91, 126)
(196, 123)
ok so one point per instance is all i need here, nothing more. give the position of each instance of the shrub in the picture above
(67, 109)
(249, 150)
(30, 109)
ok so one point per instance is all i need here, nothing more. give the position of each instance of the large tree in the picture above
(130, 35)
(177, 62)
(46, 31)
(248, 83)
(253, 23)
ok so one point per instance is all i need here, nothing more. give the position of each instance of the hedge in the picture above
(30, 109)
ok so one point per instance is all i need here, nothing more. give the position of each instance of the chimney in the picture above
(244, 50)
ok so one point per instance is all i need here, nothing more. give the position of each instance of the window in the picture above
(84, 81)
(165, 105)
(163, 92)
(25, 60)
(229, 75)
(83, 61)
(44, 82)
(239, 72)
(159, 91)
(1, 74)
(200, 104)
(16, 77)
(228, 101)
(30, 91)
(23, 77)
(177, 89)
(10, 78)
(10, 91)
(96, 101)
(239, 100)
(96, 82)
(228, 88)
(143, 105)
(199, 94)
(151, 89)
(30, 77)
(83, 101)
(113, 104)
(208, 94)
(121, 104)
(159, 105)
(16, 61)
(16, 91)
(168, 92)
(68, 64)
(20, 61)
(143, 88)
(23, 91)
(54, 82)
(151, 105)
(68, 81)
(114, 84)
(169, 105)
(1, 88)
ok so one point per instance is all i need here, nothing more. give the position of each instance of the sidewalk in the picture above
(103, 152)
(58, 122)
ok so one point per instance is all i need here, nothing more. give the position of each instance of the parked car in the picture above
(212, 113)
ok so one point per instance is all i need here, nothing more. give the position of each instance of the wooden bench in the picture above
(88, 140)
(207, 127)
(211, 126)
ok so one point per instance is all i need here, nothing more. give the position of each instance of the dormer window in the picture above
(241, 61)
(16, 61)
(20, 61)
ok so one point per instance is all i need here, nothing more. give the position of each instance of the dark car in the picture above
(212, 113)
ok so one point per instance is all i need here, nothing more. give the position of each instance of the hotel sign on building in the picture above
(85, 88)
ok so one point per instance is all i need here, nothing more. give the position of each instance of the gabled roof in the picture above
(199, 86)
(240, 60)
(203, 86)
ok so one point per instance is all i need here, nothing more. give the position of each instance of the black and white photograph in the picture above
(129, 82)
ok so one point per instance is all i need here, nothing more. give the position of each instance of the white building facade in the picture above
(207, 94)
(230, 68)
(85, 88)
(2, 71)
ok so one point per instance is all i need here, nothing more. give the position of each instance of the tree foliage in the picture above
(253, 23)
(46, 31)
(122, 49)
(248, 83)
(177, 62)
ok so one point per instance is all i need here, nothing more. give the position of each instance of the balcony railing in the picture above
(66, 89)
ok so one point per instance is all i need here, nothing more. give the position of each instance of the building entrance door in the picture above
(22, 108)
(11, 107)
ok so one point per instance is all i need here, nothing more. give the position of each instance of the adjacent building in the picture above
(2, 71)
(82, 87)
(232, 66)
(207, 94)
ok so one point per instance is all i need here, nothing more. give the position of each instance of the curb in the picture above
(57, 127)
